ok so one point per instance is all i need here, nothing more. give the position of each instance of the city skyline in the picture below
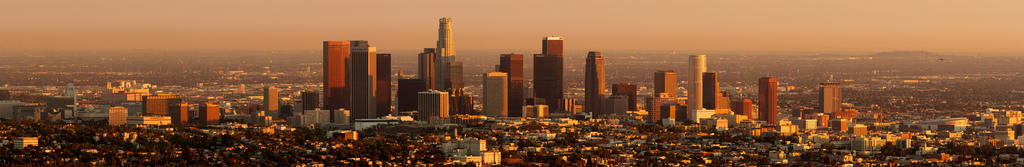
(989, 26)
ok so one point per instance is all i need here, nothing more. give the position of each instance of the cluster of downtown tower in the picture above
(357, 78)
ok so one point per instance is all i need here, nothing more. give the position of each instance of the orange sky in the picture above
(769, 25)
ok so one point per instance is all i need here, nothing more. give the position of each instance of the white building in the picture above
(696, 115)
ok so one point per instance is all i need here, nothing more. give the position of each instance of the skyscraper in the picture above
(495, 96)
(710, 91)
(616, 104)
(270, 102)
(209, 114)
(445, 52)
(426, 67)
(512, 64)
(310, 100)
(743, 107)
(432, 104)
(830, 97)
(337, 54)
(407, 93)
(453, 78)
(594, 87)
(179, 113)
(460, 102)
(629, 91)
(363, 81)
(653, 106)
(694, 87)
(383, 88)
(767, 101)
(548, 72)
(665, 82)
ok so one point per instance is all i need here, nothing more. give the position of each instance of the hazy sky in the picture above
(768, 25)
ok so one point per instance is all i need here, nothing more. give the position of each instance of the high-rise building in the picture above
(513, 65)
(495, 96)
(310, 100)
(445, 52)
(337, 94)
(653, 105)
(157, 104)
(743, 107)
(767, 100)
(830, 97)
(629, 91)
(270, 102)
(117, 115)
(616, 104)
(536, 111)
(548, 73)
(710, 91)
(383, 88)
(426, 67)
(179, 113)
(695, 86)
(665, 82)
(363, 80)
(594, 86)
(453, 77)
(670, 110)
(407, 93)
(460, 103)
(432, 104)
(209, 114)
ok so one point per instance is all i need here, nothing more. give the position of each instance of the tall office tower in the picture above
(495, 95)
(830, 97)
(445, 52)
(407, 93)
(710, 91)
(383, 88)
(157, 104)
(209, 114)
(117, 115)
(432, 104)
(460, 103)
(594, 87)
(568, 105)
(270, 102)
(616, 104)
(669, 110)
(665, 82)
(426, 67)
(6, 94)
(548, 73)
(653, 105)
(767, 100)
(453, 77)
(722, 101)
(513, 65)
(695, 86)
(337, 55)
(743, 107)
(310, 100)
(627, 90)
(363, 81)
(179, 113)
